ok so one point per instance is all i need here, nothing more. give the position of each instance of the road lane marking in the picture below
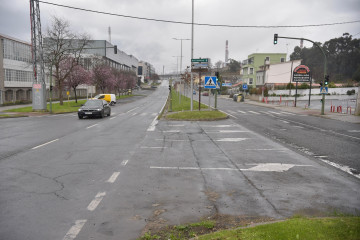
(288, 113)
(94, 203)
(266, 149)
(230, 139)
(151, 128)
(228, 114)
(171, 131)
(354, 131)
(132, 109)
(219, 126)
(344, 168)
(241, 112)
(254, 112)
(112, 118)
(259, 167)
(227, 131)
(45, 144)
(74, 230)
(153, 147)
(123, 163)
(113, 177)
(92, 126)
(284, 121)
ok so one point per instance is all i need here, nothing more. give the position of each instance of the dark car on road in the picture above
(94, 108)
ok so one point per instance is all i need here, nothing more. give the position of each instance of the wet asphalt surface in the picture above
(116, 177)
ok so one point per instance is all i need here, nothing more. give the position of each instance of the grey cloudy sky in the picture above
(152, 41)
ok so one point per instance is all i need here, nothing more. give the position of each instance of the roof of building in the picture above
(14, 39)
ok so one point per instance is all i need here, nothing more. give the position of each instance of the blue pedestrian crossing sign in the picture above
(210, 82)
(324, 90)
(244, 86)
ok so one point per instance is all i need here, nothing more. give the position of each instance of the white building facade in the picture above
(16, 70)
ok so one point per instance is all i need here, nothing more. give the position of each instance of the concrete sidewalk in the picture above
(312, 112)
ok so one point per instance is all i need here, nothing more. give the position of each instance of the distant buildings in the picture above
(16, 69)
(145, 71)
(251, 65)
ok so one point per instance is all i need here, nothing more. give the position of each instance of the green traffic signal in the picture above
(275, 38)
(327, 79)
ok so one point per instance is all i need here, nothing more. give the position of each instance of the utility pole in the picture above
(181, 56)
(192, 55)
(39, 86)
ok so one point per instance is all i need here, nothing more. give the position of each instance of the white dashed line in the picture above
(94, 203)
(254, 112)
(74, 230)
(123, 163)
(113, 177)
(92, 126)
(112, 118)
(152, 125)
(45, 144)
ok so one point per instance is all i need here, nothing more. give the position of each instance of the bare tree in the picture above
(60, 43)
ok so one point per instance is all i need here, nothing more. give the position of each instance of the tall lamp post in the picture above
(177, 71)
(181, 56)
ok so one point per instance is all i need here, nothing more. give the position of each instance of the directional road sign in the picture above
(244, 86)
(226, 85)
(210, 82)
(199, 60)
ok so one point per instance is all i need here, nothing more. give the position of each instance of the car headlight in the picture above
(98, 109)
(79, 110)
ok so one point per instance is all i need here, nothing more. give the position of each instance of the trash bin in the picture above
(239, 98)
(235, 97)
(242, 98)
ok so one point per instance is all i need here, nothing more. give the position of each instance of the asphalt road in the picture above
(114, 178)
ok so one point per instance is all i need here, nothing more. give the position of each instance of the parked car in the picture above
(94, 108)
(110, 98)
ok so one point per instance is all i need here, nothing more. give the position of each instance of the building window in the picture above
(12, 75)
(282, 59)
(251, 70)
(16, 51)
(251, 80)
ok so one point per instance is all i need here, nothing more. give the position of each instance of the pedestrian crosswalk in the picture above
(250, 112)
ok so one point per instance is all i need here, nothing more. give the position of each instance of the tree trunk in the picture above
(75, 94)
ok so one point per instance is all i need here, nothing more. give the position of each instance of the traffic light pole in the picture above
(325, 65)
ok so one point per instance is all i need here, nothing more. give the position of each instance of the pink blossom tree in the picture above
(77, 76)
(102, 78)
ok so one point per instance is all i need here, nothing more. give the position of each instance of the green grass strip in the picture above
(71, 106)
(184, 104)
(342, 228)
(197, 115)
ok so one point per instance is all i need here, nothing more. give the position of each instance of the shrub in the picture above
(350, 92)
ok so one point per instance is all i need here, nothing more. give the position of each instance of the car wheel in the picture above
(102, 114)
(80, 117)
(109, 113)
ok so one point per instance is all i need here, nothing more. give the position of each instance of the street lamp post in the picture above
(181, 56)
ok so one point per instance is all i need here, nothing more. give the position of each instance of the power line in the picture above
(201, 24)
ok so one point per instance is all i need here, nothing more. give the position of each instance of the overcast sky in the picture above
(152, 41)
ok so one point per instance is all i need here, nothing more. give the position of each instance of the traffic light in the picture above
(327, 79)
(321, 84)
(275, 38)
(170, 88)
(51, 88)
(115, 49)
(217, 75)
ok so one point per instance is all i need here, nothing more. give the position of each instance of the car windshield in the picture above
(93, 103)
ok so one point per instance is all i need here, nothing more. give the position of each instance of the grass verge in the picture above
(197, 116)
(342, 228)
(70, 106)
(181, 106)
(12, 115)
(335, 228)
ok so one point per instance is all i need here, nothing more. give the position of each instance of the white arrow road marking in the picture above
(272, 167)
(74, 230)
(260, 167)
(94, 203)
